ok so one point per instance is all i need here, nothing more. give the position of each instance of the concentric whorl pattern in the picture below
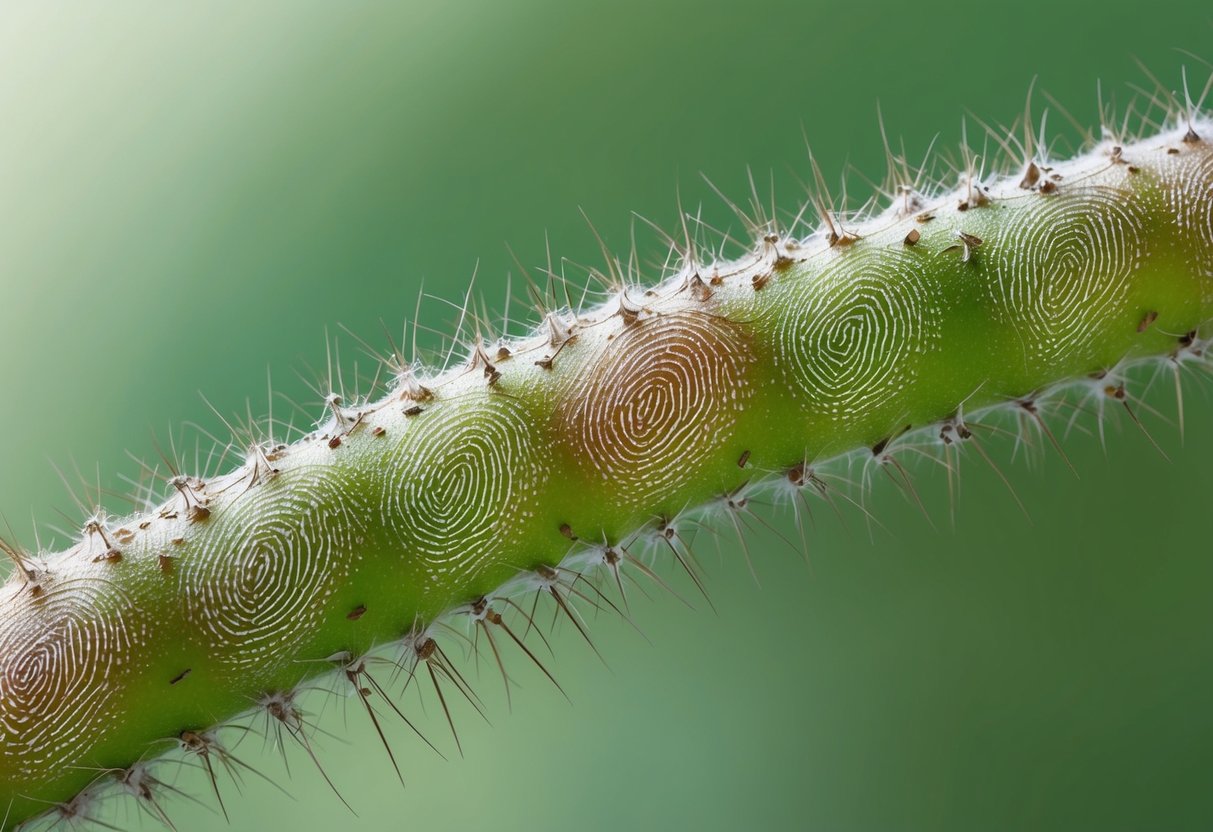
(849, 332)
(660, 401)
(1188, 185)
(1063, 266)
(63, 656)
(460, 483)
(256, 592)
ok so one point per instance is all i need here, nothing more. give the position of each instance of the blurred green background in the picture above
(190, 193)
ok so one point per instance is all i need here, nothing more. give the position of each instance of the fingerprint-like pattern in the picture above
(660, 400)
(460, 482)
(848, 333)
(1063, 266)
(1188, 189)
(64, 659)
(259, 587)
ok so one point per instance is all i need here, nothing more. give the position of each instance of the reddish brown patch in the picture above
(658, 401)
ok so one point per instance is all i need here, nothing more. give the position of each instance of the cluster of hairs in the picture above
(562, 464)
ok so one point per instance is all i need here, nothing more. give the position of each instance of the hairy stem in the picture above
(581, 445)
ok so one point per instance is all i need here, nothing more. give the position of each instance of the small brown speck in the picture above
(356, 613)
(1149, 318)
(743, 459)
(414, 410)
(378, 430)
(109, 556)
(796, 474)
(699, 289)
(567, 531)
(1030, 177)
(180, 677)
(912, 238)
(335, 442)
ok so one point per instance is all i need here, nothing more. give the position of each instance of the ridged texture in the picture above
(459, 484)
(1067, 262)
(64, 653)
(662, 396)
(259, 587)
(850, 334)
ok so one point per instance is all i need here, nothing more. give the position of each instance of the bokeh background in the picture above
(191, 193)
